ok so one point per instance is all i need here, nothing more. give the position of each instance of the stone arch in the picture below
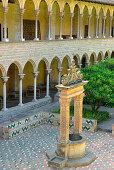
(107, 54)
(45, 61)
(75, 21)
(87, 57)
(112, 54)
(85, 22)
(95, 56)
(78, 59)
(100, 56)
(3, 70)
(66, 21)
(18, 66)
(69, 60)
(54, 3)
(92, 59)
(58, 61)
(33, 64)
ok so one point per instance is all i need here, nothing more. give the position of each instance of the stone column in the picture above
(89, 18)
(36, 12)
(5, 10)
(64, 119)
(61, 17)
(78, 106)
(47, 86)
(4, 79)
(49, 14)
(79, 65)
(97, 30)
(35, 74)
(59, 69)
(21, 14)
(71, 16)
(80, 25)
(104, 26)
(110, 29)
(21, 76)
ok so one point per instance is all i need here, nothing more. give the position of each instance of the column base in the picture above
(22, 39)
(96, 37)
(47, 97)
(60, 38)
(104, 36)
(110, 36)
(6, 40)
(88, 37)
(4, 109)
(80, 38)
(36, 39)
(20, 104)
(49, 38)
(71, 38)
(34, 100)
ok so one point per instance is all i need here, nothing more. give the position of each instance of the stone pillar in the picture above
(59, 69)
(21, 76)
(64, 119)
(104, 26)
(71, 16)
(89, 18)
(49, 35)
(35, 74)
(80, 25)
(97, 30)
(47, 86)
(110, 29)
(61, 17)
(78, 106)
(36, 12)
(79, 65)
(4, 79)
(21, 14)
(5, 10)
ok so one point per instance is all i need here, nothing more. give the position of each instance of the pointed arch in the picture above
(33, 64)
(45, 61)
(58, 61)
(3, 70)
(18, 66)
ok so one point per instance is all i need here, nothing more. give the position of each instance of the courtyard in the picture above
(28, 150)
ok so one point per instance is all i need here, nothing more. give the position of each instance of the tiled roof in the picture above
(101, 1)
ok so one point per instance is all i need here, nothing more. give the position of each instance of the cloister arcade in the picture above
(47, 19)
(17, 81)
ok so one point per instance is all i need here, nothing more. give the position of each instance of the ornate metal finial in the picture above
(74, 76)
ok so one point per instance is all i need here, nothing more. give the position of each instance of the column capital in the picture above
(5, 9)
(79, 97)
(89, 15)
(61, 14)
(5, 79)
(111, 17)
(36, 12)
(48, 71)
(79, 65)
(59, 69)
(50, 13)
(104, 17)
(97, 16)
(21, 10)
(71, 14)
(35, 74)
(81, 15)
(21, 76)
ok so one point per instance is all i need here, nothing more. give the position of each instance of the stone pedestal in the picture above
(70, 149)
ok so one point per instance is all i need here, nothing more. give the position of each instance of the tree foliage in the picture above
(100, 87)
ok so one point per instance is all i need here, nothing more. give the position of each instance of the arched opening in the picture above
(43, 19)
(84, 61)
(28, 83)
(107, 23)
(112, 55)
(85, 23)
(75, 22)
(29, 21)
(55, 21)
(101, 23)
(41, 78)
(113, 26)
(65, 66)
(76, 60)
(1, 90)
(106, 55)
(93, 23)
(99, 57)
(12, 86)
(66, 22)
(91, 60)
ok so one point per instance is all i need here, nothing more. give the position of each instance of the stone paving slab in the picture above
(28, 150)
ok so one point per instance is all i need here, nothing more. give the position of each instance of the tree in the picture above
(100, 87)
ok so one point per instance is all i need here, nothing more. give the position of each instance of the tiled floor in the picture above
(28, 150)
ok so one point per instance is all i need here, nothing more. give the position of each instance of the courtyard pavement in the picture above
(28, 150)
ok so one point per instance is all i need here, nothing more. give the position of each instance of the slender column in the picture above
(21, 14)
(71, 16)
(95, 62)
(87, 63)
(97, 32)
(64, 119)
(61, 17)
(104, 26)
(49, 14)
(59, 69)
(80, 26)
(35, 74)
(5, 10)
(79, 65)
(21, 76)
(78, 105)
(4, 79)
(47, 86)
(36, 12)
(110, 30)
(89, 18)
